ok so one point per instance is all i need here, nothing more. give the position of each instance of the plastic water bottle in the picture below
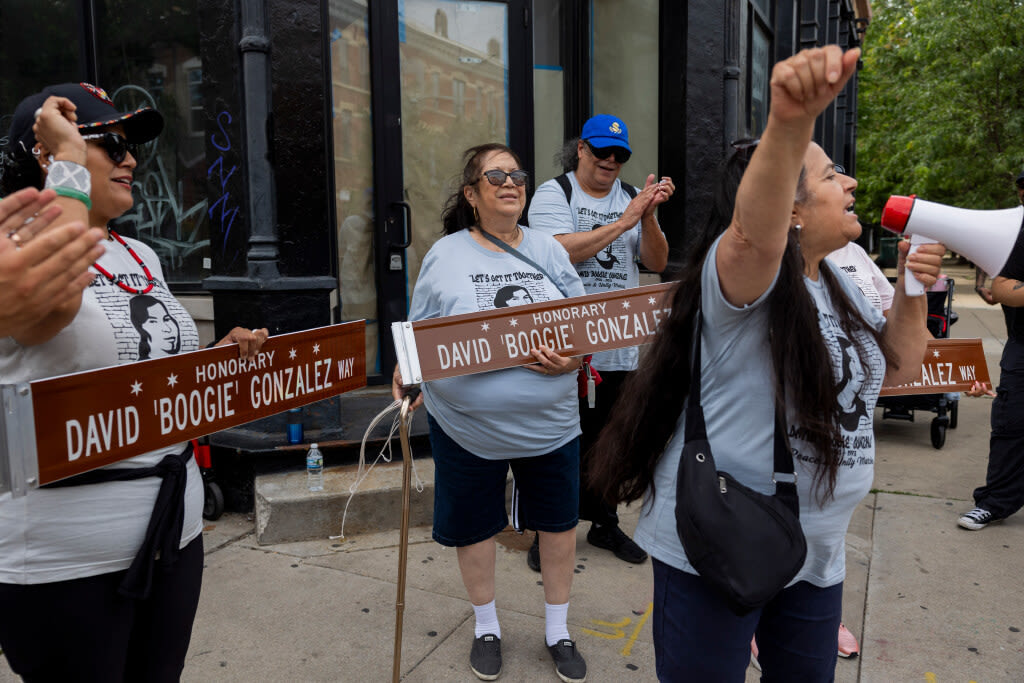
(314, 469)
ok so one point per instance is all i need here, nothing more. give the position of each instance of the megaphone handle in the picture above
(913, 286)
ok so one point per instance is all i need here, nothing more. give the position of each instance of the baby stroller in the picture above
(940, 318)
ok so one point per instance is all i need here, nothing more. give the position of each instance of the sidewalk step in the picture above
(287, 511)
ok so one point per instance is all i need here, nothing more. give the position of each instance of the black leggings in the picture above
(83, 630)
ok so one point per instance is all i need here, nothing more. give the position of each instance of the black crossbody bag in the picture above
(745, 544)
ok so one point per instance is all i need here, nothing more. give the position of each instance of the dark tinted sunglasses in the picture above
(622, 154)
(114, 144)
(496, 177)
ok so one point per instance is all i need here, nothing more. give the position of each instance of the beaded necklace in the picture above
(128, 288)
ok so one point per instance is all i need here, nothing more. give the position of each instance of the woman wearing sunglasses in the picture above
(83, 568)
(521, 418)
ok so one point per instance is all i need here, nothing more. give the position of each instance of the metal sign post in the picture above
(403, 539)
(63, 426)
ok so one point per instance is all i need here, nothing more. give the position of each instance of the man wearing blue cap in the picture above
(607, 226)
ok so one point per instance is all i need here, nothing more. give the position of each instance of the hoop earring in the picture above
(798, 227)
(36, 152)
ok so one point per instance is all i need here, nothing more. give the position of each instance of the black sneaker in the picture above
(533, 554)
(611, 537)
(569, 663)
(485, 657)
(978, 518)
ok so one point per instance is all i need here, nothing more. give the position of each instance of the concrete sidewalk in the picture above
(927, 600)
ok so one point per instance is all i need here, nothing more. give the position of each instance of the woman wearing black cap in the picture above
(83, 567)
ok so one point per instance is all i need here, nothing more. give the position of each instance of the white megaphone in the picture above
(984, 237)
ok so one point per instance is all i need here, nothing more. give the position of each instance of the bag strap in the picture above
(563, 182)
(524, 258)
(783, 474)
(628, 188)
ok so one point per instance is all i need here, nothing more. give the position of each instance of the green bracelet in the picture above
(74, 194)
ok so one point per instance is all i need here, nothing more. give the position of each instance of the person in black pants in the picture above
(1003, 492)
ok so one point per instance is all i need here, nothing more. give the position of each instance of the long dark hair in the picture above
(626, 454)
(458, 212)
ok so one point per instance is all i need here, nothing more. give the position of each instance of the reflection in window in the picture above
(148, 54)
(459, 93)
(38, 47)
(441, 23)
(446, 119)
(353, 169)
(195, 96)
(621, 81)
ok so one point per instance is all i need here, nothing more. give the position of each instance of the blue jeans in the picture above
(698, 638)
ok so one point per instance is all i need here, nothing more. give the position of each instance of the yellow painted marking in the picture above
(636, 632)
(930, 677)
(617, 625)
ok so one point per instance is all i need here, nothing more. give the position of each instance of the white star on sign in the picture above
(316, 348)
(625, 304)
(513, 322)
(136, 388)
(935, 353)
(651, 300)
(291, 354)
(485, 327)
(172, 380)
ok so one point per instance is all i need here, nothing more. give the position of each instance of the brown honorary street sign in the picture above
(502, 338)
(90, 419)
(948, 365)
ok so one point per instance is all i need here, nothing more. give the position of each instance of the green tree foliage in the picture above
(942, 103)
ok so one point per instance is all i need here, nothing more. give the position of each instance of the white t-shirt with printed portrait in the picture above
(73, 532)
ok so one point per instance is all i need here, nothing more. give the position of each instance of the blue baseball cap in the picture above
(605, 130)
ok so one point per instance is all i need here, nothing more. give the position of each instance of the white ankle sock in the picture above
(555, 627)
(486, 620)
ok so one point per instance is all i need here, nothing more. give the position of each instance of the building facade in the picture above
(311, 144)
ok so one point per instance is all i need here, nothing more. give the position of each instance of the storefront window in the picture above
(624, 76)
(148, 54)
(464, 48)
(759, 66)
(38, 47)
(548, 89)
(353, 169)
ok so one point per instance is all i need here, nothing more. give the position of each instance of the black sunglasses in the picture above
(622, 154)
(497, 177)
(114, 144)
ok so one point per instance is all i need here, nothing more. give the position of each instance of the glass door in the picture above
(454, 70)
(447, 75)
(351, 115)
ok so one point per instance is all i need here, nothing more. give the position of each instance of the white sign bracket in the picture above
(19, 468)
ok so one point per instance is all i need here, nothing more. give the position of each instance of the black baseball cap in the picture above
(94, 109)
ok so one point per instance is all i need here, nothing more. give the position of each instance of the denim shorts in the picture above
(469, 491)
